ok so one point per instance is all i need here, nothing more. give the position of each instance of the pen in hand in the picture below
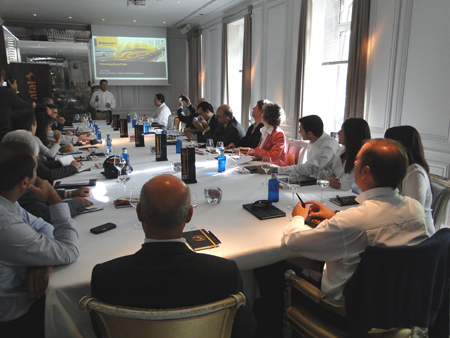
(303, 203)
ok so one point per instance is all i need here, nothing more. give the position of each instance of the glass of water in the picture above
(209, 147)
(135, 196)
(322, 180)
(213, 195)
(293, 184)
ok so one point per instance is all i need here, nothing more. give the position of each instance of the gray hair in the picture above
(23, 136)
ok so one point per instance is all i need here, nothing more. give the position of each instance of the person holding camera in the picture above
(187, 119)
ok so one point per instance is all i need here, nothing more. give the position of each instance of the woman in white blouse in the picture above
(416, 183)
(354, 132)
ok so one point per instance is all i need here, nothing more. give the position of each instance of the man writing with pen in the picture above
(383, 217)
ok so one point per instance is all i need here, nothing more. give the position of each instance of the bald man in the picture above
(228, 131)
(165, 273)
(187, 119)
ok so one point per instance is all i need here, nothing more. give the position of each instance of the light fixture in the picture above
(70, 17)
(34, 14)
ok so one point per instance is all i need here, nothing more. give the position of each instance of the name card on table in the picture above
(116, 122)
(139, 135)
(109, 117)
(123, 128)
(188, 173)
(161, 147)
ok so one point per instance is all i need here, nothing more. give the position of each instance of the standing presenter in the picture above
(102, 100)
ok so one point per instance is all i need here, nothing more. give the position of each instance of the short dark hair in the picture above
(103, 80)
(261, 103)
(40, 108)
(272, 113)
(387, 161)
(16, 163)
(46, 100)
(170, 216)
(312, 123)
(160, 97)
(51, 106)
(23, 119)
(205, 105)
(410, 138)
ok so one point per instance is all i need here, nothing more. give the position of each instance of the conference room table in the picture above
(250, 242)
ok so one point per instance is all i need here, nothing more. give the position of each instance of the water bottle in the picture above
(125, 155)
(164, 131)
(108, 144)
(222, 161)
(274, 188)
(95, 128)
(128, 117)
(146, 127)
(179, 145)
(133, 121)
(99, 136)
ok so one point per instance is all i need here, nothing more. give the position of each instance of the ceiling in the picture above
(156, 13)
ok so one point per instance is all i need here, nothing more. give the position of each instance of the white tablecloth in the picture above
(250, 242)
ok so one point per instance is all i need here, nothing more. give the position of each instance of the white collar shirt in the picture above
(103, 99)
(383, 217)
(319, 155)
(264, 133)
(161, 115)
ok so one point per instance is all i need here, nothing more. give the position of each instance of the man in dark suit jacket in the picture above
(187, 119)
(165, 273)
(228, 131)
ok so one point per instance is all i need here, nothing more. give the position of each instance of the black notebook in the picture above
(313, 222)
(201, 239)
(264, 210)
(304, 180)
(75, 185)
(344, 200)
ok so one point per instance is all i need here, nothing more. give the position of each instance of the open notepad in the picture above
(66, 160)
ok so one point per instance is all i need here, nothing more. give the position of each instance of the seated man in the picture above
(187, 119)
(383, 217)
(205, 112)
(319, 152)
(162, 113)
(165, 273)
(28, 244)
(228, 131)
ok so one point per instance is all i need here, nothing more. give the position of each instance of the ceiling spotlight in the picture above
(134, 20)
(103, 19)
(164, 22)
(34, 14)
(70, 17)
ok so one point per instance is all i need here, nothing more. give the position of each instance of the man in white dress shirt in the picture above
(316, 155)
(383, 217)
(162, 113)
(102, 100)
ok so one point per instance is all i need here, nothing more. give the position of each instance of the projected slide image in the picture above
(126, 57)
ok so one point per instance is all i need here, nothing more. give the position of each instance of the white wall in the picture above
(140, 98)
(409, 75)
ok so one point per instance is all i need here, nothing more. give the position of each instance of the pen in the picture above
(215, 237)
(303, 203)
(340, 200)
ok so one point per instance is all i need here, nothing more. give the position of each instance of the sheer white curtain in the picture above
(224, 69)
(247, 70)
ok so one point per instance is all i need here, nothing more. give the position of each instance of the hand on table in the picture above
(76, 164)
(300, 211)
(319, 210)
(231, 146)
(83, 201)
(36, 280)
(334, 182)
(69, 133)
(84, 139)
(81, 192)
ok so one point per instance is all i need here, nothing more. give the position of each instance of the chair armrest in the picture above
(313, 293)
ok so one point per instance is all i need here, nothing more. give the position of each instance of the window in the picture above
(327, 60)
(235, 44)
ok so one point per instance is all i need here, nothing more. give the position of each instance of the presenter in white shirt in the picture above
(416, 183)
(102, 100)
(354, 132)
(162, 113)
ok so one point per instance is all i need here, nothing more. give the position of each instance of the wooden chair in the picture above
(212, 320)
(441, 195)
(392, 287)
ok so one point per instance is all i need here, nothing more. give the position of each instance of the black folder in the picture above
(74, 185)
(264, 210)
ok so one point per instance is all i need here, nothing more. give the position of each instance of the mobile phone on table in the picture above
(103, 228)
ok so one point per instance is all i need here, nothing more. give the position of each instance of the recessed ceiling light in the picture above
(164, 22)
(103, 19)
(70, 17)
(34, 14)
(134, 20)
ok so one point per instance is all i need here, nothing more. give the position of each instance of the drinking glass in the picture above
(213, 195)
(220, 145)
(322, 180)
(266, 166)
(193, 140)
(293, 184)
(135, 196)
(121, 164)
(209, 146)
(194, 203)
(235, 156)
